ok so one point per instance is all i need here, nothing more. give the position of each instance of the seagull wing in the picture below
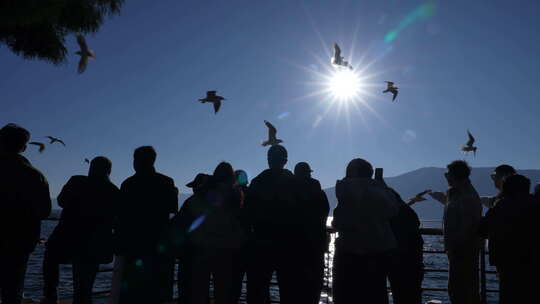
(40, 145)
(389, 84)
(61, 141)
(271, 131)
(82, 43)
(217, 105)
(83, 63)
(51, 139)
(471, 140)
(337, 51)
(395, 92)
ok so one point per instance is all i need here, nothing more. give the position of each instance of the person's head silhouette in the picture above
(144, 159)
(457, 173)
(303, 170)
(277, 157)
(13, 139)
(198, 182)
(224, 173)
(100, 167)
(359, 167)
(516, 185)
(500, 173)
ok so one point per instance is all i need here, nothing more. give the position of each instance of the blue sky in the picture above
(459, 65)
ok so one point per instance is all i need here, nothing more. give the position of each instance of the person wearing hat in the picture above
(315, 213)
(180, 225)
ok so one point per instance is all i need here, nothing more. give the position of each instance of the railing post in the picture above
(483, 288)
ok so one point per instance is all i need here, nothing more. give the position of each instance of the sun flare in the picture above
(344, 84)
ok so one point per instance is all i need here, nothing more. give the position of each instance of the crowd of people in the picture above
(276, 225)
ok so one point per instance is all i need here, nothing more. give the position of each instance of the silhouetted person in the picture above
(498, 176)
(180, 228)
(84, 234)
(362, 219)
(315, 213)
(462, 213)
(216, 237)
(510, 228)
(24, 202)
(241, 184)
(406, 271)
(147, 200)
(273, 207)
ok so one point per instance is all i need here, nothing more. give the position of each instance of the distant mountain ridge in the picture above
(410, 183)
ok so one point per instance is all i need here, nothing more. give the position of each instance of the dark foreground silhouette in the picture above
(229, 229)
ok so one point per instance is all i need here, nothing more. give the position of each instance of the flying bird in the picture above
(86, 160)
(469, 146)
(85, 53)
(392, 89)
(272, 139)
(52, 140)
(338, 59)
(40, 145)
(213, 98)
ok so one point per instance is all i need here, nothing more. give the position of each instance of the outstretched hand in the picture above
(438, 196)
(419, 197)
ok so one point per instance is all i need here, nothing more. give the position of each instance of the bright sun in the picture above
(344, 85)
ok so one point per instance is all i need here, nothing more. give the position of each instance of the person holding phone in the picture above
(366, 240)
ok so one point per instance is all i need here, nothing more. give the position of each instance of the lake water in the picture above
(33, 283)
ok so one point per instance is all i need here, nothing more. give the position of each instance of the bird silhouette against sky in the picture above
(52, 140)
(272, 139)
(86, 160)
(338, 59)
(469, 146)
(392, 89)
(40, 145)
(85, 53)
(213, 98)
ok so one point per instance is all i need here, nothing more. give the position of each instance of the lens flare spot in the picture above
(196, 223)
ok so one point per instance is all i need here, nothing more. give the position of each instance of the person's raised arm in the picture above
(439, 196)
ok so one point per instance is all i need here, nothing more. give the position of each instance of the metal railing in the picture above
(327, 286)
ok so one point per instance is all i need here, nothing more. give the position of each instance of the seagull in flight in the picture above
(213, 98)
(338, 59)
(272, 139)
(40, 145)
(469, 146)
(86, 160)
(85, 53)
(52, 140)
(392, 89)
